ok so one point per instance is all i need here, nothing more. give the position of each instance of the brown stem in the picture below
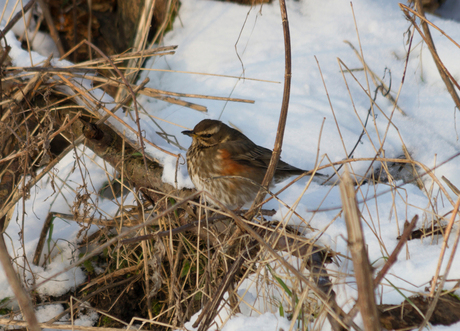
(283, 116)
(53, 32)
(449, 265)
(357, 247)
(16, 18)
(41, 241)
(18, 290)
(394, 256)
(429, 41)
(391, 260)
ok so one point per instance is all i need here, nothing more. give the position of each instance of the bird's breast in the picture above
(230, 167)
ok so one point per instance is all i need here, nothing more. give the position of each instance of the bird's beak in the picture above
(188, 133)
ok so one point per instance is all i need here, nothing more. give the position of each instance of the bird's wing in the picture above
(254, 155)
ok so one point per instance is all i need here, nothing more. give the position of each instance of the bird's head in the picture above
(209, 133)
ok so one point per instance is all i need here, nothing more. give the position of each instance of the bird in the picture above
(228, 165)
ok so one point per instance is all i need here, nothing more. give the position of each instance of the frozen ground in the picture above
(225, 39)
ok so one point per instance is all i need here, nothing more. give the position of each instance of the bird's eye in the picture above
(207, 135)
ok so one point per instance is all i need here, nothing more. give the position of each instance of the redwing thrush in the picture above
(219, 155)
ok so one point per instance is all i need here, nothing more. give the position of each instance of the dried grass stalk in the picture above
(357, 246)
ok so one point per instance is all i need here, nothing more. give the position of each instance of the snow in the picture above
(266, 322)
(46, 313)
(221, 38)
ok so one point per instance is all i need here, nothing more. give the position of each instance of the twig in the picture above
(443, 72)
(123, 220)
(391, 260)
(283, 115)
(406, 8)
(19, 293)
(350, 155)
(16, 18)
(444, 245)
(394, 255)
(154, 93)
(53, 32)
(41, 240)
(450, 185)
(374, 75)
(368, 89)
(357, 246)
(157, 51)
(139, 41)
(446, 272)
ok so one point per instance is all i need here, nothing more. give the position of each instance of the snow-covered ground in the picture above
(221, 38)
